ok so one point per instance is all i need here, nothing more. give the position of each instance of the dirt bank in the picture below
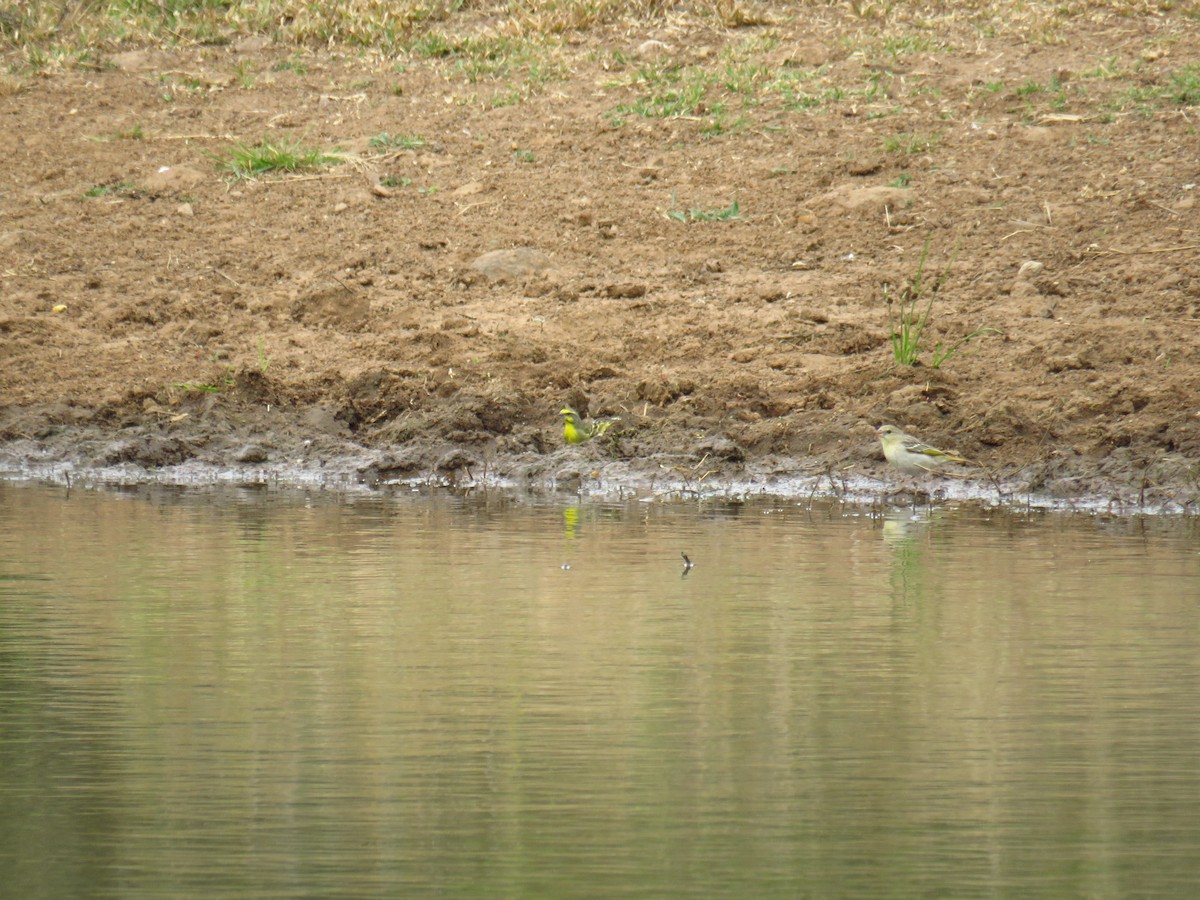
(711, 216)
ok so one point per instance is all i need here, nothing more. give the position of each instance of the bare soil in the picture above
(156, 312)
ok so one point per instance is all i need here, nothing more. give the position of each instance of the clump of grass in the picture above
(669, 98)
(11, 85)
(902, 45)
(908, 143)
(245, 75)
(1185, 86)
(227, 382)
(732, 211)
(673, 91)
(745, 78)
(501, 99)
(383, 142)
(113, 188)
(297, 66)
(908, 316)
(267, 157)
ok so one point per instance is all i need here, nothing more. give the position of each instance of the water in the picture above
(273, 694)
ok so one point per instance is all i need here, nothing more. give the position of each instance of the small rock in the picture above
(652, 50)
(461, 324)
(392, 466)
(1069, 362)
(253, 44)
(251, 454)
(1030, 269)
(502, 265)
(851, 197)
(718, 446)
(454, 461)
(862, 167)
(1035, 134)
(168, 179)
(626, 290)
(130, 60)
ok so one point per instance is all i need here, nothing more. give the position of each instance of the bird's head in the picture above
(887, 430)
(571, 416)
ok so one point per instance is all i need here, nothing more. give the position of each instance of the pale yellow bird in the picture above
(910, 455)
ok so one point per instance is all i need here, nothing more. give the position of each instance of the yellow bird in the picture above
(577, 430)
(909, 455)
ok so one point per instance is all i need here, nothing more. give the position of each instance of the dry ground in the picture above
(712, 212)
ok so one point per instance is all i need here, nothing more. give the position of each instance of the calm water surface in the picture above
(280, 694)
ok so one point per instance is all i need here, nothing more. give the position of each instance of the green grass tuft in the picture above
(1185, 86)
(908, 317)
(384, 142)
(909, 143)
(905, 315)
(270, 157)
(732, 211)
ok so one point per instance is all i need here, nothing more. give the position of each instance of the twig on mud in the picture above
(1163, 207)
(1015, 233)
(466, 207)
(345, 287)
(226, 277)
(348, 98)
(1024, 224)
(992, 478)
(190, 137)
(294, 178)
(1114, 250)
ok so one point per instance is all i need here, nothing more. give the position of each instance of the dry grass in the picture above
(44, 34)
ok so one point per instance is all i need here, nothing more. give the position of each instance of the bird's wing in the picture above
(912, 445)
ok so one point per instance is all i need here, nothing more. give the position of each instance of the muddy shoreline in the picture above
(478, 246)
(296, 454)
